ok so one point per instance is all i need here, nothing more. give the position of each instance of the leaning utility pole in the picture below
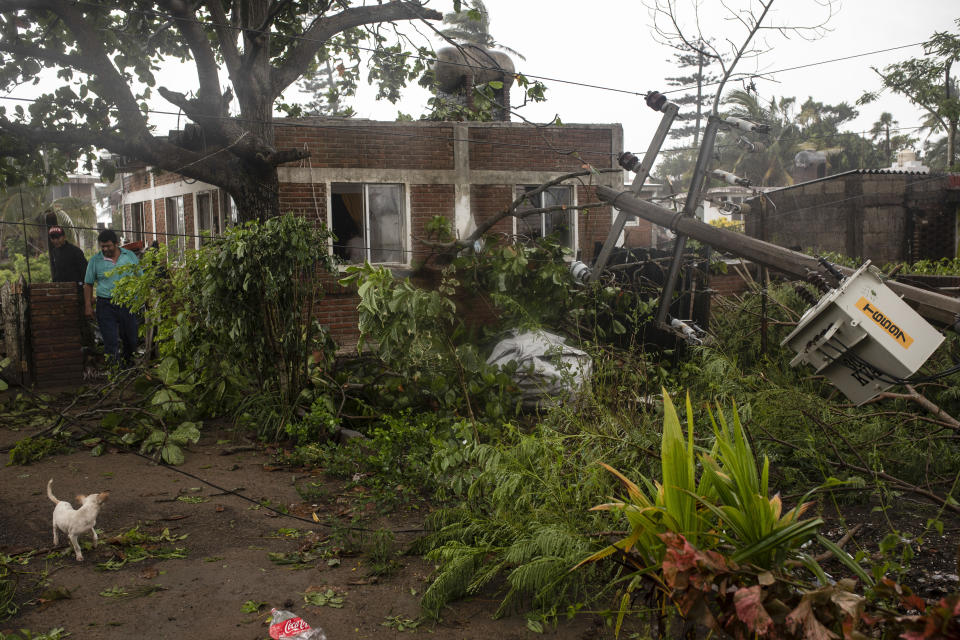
(934, 306)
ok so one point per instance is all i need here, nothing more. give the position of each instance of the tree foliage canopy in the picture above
(769, 158)
(928, 82)
(106, 57)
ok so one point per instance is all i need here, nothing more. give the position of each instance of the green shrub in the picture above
(233, 314)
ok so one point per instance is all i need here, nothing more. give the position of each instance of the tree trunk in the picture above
(257, 194)
(952, 122)
(952, 143)
(696, 131)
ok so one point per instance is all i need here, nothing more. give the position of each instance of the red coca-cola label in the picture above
(288, 628)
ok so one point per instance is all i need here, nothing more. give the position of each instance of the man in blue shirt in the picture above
(114, 320)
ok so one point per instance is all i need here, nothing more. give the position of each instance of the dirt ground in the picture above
(226, 546)
(227, 540)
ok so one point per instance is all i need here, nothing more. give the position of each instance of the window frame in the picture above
(180, 240)
(574, 219)
(138, 222)
(345, 187)
(215, 214)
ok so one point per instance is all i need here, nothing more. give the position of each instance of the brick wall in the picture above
(639, 236)
(308, 200)
(487, 200)
(593, 223)
(427, 201)
(55, 317)
(727, 284)
(529, 149)
(424, 152)
(378, 146)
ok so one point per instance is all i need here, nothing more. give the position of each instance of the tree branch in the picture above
(511, 210)
(115, 87)
(152, 150)
(728, 69)
(226, 36)
(22, 49)
(67, 137)
(185, 18)
(323, 28)
(285, 155)
(921, 400)
(913, 98)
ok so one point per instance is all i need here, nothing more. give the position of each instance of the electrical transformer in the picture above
(862, 337)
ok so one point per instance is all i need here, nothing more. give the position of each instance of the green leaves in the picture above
(230, 324)
(169, 370)
(729, 505)
(323, 598)
(170, 445)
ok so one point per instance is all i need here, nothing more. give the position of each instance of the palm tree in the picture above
(771, 166)
(881, 130)
(26, 208)
(472, 26)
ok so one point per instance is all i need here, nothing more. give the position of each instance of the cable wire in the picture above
(208, 23)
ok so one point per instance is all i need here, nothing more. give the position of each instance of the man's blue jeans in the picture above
(117, 322)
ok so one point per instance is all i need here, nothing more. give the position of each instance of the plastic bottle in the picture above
(287, 625)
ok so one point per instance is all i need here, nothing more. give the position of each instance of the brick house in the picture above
(377, 184)
(886, 216)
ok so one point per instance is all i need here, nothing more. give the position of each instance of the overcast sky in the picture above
(609, 43)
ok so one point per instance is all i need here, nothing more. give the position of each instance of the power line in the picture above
(216, 238)
(206, 23)
(453, 138)
(372, 125)
(736, 77)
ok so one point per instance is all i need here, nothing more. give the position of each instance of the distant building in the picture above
(907, 161)
(83, 187)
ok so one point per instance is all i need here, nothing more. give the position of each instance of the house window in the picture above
(173, 208)
(58, 191)
(561, 224)
(228, 209)
(208, 220)
(136, 221)
(369, 222)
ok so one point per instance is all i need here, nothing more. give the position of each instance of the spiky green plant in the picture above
(751, 522)
(729, 506)
(670, 506)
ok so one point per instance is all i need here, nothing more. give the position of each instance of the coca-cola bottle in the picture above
(287, 625)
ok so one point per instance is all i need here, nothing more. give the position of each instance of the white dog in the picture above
(72, 521)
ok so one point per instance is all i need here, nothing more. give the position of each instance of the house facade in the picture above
(376, 185)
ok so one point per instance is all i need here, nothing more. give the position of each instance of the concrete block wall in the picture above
(55, 314)
(886, 217)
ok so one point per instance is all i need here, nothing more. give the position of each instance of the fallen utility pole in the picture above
(931, 305)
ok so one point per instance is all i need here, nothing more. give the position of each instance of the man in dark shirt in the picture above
(67, 262)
